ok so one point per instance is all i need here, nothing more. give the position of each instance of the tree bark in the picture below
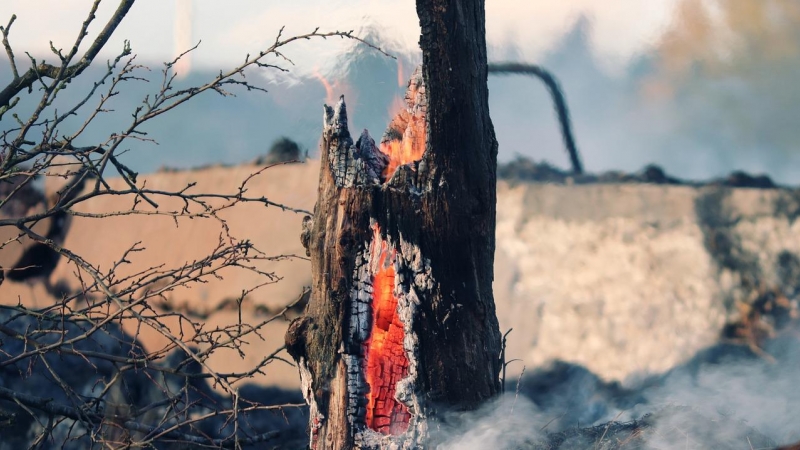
(401, 324)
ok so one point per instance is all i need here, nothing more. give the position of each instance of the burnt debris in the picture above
(527, 170)
(87, 370)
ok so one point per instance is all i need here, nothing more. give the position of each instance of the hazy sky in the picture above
(230, 29)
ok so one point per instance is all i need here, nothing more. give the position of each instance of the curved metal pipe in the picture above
(558, 101)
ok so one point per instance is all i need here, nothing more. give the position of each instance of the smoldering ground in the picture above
(725, 397)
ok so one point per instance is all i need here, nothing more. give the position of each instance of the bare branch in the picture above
(35, 73)
(5, 30)
(127, 394)
(52, 408)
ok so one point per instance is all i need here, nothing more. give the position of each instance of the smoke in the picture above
(715, 93)
(745, 389)
(724, 397)
(722, 77)
(712, 94)
(505, 422)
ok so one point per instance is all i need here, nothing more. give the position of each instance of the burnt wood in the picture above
(435, 219)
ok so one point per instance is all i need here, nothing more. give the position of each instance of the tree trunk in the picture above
(401, 323)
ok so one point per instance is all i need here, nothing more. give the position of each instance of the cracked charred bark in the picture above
(401, 323)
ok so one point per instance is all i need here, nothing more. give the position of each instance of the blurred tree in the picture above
(729, 67)
(282, 150)
(730, 37)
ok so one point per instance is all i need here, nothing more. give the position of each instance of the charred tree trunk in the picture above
(401, 323)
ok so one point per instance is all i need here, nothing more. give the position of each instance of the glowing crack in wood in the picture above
(381, 361)
(389, 276)
(386, 361)
(364, 163)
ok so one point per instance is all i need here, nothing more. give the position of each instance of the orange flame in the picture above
(387, 363)
(329, 97)
(406, 151)
(401, 79)
(411, 125)
(396, 106)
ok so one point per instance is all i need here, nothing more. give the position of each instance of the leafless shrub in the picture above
(69, 376)
(282, 150)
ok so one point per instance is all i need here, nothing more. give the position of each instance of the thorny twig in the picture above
(84, 325)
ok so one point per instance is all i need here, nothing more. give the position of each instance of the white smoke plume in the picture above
(725, 397)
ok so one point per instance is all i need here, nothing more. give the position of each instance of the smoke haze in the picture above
(724, 397)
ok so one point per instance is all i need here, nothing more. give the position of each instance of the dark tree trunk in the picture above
(401, 323)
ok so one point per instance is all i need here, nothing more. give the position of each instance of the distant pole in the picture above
(182, 37)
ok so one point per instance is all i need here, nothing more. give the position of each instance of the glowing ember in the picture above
(405, 151)
(386, 359)
(404, 140)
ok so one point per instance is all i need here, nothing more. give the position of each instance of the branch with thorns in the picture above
(83, 326)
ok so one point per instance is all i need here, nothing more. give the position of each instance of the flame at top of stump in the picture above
(364, 162)
(404, 140)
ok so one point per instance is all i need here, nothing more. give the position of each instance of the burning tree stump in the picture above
(401, 323)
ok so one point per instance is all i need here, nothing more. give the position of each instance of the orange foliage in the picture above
(729, 36)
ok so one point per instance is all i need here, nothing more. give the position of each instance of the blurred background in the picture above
(624, 296)
(700, 87)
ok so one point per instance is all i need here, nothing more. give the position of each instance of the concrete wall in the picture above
(626, 279)
(623, 279)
